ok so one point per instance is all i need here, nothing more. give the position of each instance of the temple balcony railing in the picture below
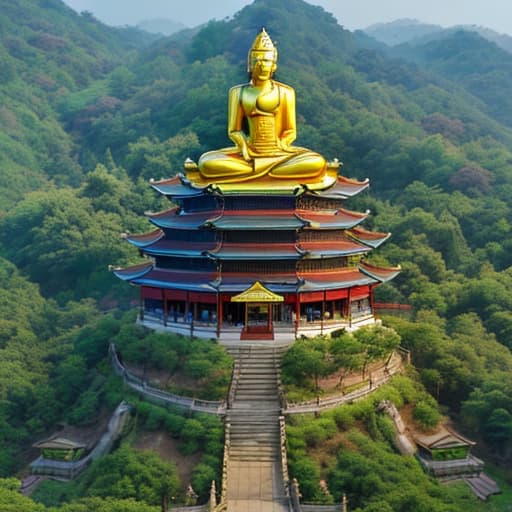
(302, 327)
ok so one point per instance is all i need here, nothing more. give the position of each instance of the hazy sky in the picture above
(495, 14)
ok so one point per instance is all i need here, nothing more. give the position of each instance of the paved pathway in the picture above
(254, 478)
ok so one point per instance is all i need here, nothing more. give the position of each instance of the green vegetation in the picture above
(183, 361)
(351, 449)
(309, 360)
(88, 113)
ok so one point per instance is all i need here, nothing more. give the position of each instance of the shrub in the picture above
(426, 413)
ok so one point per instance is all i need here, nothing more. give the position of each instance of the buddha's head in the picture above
(262, 57)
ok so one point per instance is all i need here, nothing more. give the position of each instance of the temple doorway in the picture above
(258, 320)
(258, 302)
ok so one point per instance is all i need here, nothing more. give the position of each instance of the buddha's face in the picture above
(262, 65)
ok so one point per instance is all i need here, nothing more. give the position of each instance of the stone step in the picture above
(257, 372)
(242, 437)
(248, 409)
(254, 397)
(254, 451)
(270, 423)
(262, 431)
(258, 379)
(258, 445)
(256, 391)
(250, 458)
(269, 386)
(263, 419)
(254, 394)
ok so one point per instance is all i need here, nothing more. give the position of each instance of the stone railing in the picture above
(280, 390)
(234, 383)
(284, 458)
(297, 506)
(70, 470)
(222, 505)
(160, 397)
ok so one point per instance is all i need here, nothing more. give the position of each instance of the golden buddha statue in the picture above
(261, 123)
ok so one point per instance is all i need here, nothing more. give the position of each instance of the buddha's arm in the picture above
(288, 132)
(235, 118)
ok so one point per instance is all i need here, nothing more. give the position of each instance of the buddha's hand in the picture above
(240, 140)
(245, 152)
(286, 139)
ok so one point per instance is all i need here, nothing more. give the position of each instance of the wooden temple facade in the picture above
(248, 265)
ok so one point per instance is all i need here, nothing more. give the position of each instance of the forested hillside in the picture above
(89, 113)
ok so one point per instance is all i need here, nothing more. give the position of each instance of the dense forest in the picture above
(89, 113)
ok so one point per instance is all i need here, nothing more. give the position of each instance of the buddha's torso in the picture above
(260, 108)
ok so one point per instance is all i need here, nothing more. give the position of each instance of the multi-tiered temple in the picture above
(258, 240)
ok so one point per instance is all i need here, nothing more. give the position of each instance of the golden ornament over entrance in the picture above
(257, 293)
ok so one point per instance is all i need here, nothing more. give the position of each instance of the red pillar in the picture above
(297, 313)
(372, 288)
(349, 307)
(164, 300)
(219, 313)
(323, 313)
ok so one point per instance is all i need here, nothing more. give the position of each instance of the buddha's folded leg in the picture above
(303, 165)
(218, 164)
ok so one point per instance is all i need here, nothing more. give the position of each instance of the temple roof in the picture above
(176, 219)
(442, 438)
(282, 282)
(257, 293)
(335, 279)
(133, 272)
(261, 251)
(331, 248)
(177, 187)
(331, 219)
(343, 188)
(154, 244)
(59, 443)
(145, 239)
(164, 278)
(339, 187)
(182, 248)
(258, 219)
(290, 219)
(381, 274)
(368, 238)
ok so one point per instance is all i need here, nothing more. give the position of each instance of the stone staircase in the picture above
(254, 413)
(483, 486)
(254, 467)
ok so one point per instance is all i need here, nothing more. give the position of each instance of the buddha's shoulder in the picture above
(284, 88)
(237, 88)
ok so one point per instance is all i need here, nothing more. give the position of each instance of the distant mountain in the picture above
(162, 26)
(401, 31)
(467, 58)
(415, 32)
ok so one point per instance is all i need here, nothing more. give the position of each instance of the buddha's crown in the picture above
(262, 47)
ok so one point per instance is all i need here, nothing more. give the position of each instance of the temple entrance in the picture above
(259, 320)
(258, 312)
